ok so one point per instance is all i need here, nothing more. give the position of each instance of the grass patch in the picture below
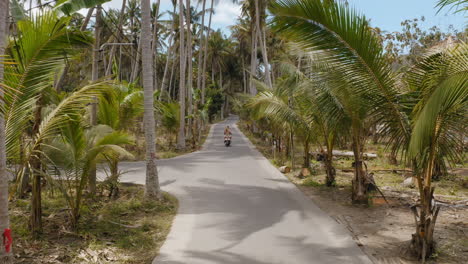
(130, 229)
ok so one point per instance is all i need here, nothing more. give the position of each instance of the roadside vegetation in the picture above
(129, 229)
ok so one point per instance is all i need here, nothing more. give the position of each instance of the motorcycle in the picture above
(227, 141)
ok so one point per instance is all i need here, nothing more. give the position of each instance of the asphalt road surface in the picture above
(236, 208)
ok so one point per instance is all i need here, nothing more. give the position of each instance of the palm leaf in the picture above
(68, 7)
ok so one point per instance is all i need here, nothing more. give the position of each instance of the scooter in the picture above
(227, 141)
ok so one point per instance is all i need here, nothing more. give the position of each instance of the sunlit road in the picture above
(236, 208)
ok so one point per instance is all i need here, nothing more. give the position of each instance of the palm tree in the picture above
(347, 49)
(152, 181)
(42, 43)
(4, 216)
(287, 107)
(74, 152)
(441, 81)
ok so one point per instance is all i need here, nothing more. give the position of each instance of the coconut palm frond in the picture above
(457, 5)
(41, 49)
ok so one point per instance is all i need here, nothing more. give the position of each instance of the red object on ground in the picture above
(7, 240)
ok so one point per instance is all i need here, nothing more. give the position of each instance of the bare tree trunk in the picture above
(95, 77)
(119, 34)
(306, 163)
(244, 80)
(328, 160)
(262, 45)
(359, 183)
(136, 65)
(190, 69)
(152, 180)
(253, 60)
(205, 55)
(181, 136)
(154, 45)
(5, 254)
(200, 50)
(35, 172)
(171, 86)
(170, 50)
(426, 212)
(86, 20)
(166, 68)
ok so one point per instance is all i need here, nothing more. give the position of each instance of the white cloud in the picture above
(226, 13)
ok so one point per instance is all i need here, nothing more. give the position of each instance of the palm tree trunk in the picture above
(181, 136)
(152, 180)
(171, 78)
(35, 172)
(306, 163)
(154, 46)
(166, 69)
(200, 57)
(94, 77)
(190, 70)
(5, 255)
(86, 20)
(262, 44)
(292, 150)
(136, 65)
(205, 55)
(244, 80)
(359, 191)
(253, 60)
(119, 30)
(425, 214)
(170, 50)
(328, 160)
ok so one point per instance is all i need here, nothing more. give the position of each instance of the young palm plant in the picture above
(42, 45)
(286, 106)
(74, 151)
(441, 80)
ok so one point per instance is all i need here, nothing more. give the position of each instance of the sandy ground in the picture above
(384, 231)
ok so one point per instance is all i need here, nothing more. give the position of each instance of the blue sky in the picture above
(386, 14)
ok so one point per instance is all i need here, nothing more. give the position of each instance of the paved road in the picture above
(236, 208)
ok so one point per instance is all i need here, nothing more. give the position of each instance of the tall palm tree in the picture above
(182, 80)
(4, 216)
(152, 181)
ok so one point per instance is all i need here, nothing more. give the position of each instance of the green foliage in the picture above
(69, 7)
(17, 11)
(40, 50)
(215, 101)
(458, 5)
(441, 80)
